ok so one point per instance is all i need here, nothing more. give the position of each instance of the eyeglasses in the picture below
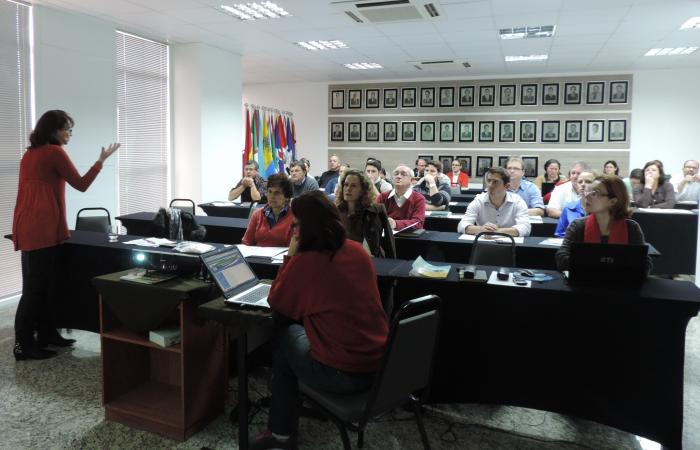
(594, 194)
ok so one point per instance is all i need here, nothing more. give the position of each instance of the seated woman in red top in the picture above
(40, 226)
(327, 286)
(607, 203)
(271, 226)
(457, 176)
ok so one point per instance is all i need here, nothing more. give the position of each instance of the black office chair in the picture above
(493, 253)
(189, 209)
(404, 375)
(100, 222)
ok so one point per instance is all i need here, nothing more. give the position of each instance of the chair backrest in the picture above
(253, 207)
(101, 222)
(190, 207)
(493, 253)
(407, 363)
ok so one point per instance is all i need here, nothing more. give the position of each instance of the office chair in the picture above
(189, 209)
(404, 374)
(101, 222)
(493, 253)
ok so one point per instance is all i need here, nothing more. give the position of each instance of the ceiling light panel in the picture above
(527, 32)
(255, 10)
(526, 58)
(670, 51)
(693, 22)
(322, 45)
(362, 66)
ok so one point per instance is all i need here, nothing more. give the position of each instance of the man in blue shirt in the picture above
(574, 210)
(525, 189)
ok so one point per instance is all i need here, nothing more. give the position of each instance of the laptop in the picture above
(237, 282)
(608, 263)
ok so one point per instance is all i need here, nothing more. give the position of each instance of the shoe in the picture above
(266, 440)
(54, 338)
(22, 352)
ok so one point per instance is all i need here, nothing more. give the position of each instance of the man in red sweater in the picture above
(404, 207)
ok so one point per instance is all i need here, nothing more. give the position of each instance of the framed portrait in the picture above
(466, 131)
(617, 130)
(354, 98)
(390, 131)
(337, 99)
(550, 131)
(528, 94)
(572, 93)
(408, 97)
(503, 161)
(595, 92)
(618, 92)
(506, 131)
(391, 98)
(487, 95)
(530, 163)
(354, 131)
(447, 97)
(572, 130)
(466, 162)
(550, 94)
(446, 162)
(486, 131)
(427, 131)
(426, 157)
(372, 98)
(337, 131)
(507, 95)
(466, 96)
(483, 163)
(408, 131)
(372, 131)
(594, 130)
(447, 131)
(427, 97)
(528, 130)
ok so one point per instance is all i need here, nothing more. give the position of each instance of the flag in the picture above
(267, 149)
(261, 139)
(282, 141)
(292, 139)
(254, 131)
(273, 145)
(247, 150)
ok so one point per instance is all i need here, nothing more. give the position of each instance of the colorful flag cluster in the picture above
(270, 139)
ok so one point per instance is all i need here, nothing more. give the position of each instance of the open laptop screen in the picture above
(229, 270)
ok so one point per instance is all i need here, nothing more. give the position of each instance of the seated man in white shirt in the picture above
(689, 187)
(567, 192)
(496, 210)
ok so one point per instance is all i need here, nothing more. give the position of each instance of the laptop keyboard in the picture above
(255, 295)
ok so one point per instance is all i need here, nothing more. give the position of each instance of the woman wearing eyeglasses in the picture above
(327, 287)
(606, 203)
(39, 227)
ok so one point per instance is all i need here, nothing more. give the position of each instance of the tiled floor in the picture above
(56, 404)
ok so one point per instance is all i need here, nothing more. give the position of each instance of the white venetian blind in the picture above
(15, 126)
(143, 123)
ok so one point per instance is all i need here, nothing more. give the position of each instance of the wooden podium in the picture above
(174, 391)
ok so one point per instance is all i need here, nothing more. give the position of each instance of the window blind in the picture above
(143, 123)
(15, 125)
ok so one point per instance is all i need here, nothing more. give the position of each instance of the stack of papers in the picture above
(421, 268)
(152, 242)
(222, 203)
(263, 252)
(555, 242)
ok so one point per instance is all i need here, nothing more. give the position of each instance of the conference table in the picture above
(614, 355)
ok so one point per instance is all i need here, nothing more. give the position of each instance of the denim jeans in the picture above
(293, 362)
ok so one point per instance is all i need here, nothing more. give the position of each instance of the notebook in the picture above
(235, 279)
(607, 263)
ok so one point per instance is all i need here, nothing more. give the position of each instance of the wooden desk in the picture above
(174, 391)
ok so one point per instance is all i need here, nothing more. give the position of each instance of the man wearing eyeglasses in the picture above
(406, 208)
(574, 209)
(689, 187)
(525, 189)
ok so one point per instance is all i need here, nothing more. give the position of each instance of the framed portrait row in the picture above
(524, 94)
(543, 131)
(483, 163)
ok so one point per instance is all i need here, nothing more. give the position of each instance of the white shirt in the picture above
(512, 213)
(562, 195)
(402, 199)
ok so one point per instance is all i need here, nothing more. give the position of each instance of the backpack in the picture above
(174, 223)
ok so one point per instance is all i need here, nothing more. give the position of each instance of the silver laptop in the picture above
(235, 279)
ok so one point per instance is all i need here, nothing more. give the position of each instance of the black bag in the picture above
(164, 228)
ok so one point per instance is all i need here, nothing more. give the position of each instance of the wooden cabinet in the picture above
(174, 391)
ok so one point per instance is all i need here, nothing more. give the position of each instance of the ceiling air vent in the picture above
(441, 64)
(373, 11)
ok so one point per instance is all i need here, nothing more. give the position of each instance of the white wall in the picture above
(308, 102)
(74, 58)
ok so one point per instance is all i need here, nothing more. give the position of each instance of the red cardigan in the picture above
(337, 300)
(462, 179)
(259, 232)
(412, 211)
(40, 211)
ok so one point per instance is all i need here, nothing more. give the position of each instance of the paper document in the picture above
(453, 203)
(406, 228)
(554, 242)
(535, 219)
(421, 268)
(493, 279)
(264, 252)
(142, 243)
(663, 211)
(471, 237)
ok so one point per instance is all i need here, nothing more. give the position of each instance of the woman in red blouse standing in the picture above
(40, 226)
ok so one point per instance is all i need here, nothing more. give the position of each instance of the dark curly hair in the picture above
(50, 123)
